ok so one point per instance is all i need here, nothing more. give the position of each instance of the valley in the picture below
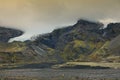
(83, 51)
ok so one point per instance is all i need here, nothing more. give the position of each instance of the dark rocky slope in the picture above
(6, 34)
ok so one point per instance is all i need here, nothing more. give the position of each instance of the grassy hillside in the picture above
(11, 52)
(17, 52)
(12, 47)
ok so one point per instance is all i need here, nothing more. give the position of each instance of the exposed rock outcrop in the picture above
(112, 30)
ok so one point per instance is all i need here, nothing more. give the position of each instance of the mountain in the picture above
(82, 41)
(67, 34)
(6, 34)
(110, 50)
(112, 30)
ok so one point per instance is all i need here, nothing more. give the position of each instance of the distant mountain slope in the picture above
(8, 33)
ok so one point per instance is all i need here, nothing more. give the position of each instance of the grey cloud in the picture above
(41, 16)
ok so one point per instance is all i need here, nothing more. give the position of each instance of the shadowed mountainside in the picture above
(6, 34)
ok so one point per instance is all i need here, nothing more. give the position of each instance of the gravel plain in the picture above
(89, 74)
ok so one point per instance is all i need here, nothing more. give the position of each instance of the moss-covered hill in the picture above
(11, 52)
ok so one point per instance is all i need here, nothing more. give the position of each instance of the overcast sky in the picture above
(42, 16)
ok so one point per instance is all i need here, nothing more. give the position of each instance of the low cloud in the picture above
(41, 16)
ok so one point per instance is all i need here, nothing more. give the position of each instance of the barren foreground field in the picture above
(60, 74)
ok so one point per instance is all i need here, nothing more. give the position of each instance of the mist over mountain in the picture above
(43, 16)
(83, 41)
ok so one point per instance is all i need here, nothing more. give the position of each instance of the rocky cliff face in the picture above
(6, 34)
(112, 30)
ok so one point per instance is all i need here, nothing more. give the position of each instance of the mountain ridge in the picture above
(87, 36)
(83, 41)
